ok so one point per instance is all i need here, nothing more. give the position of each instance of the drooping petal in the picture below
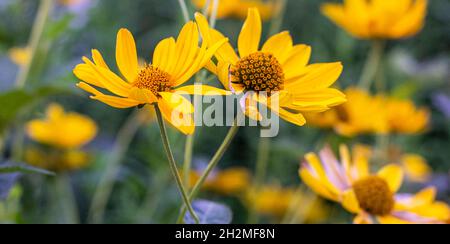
(126, 55)
(143, 96)
(183, 122)
(178, 102)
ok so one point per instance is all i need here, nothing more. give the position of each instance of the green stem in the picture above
(277, 22)
(213, 18)
(260, 172)
(188, 151)
(173, 164)
(372, 65)
(66, 201)
(184, 10)
(106, 184)
(44, 10)
(211, 165)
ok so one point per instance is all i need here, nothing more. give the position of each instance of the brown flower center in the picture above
(374, 195)
(153, 79)
(258, 72)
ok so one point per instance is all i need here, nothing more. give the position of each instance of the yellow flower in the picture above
(62, 130)
(277, 201)
(174, 63)
(405, 118)
(279, 68)
(57, 160)
(230, 181)
(369, 196)
(416, 168)
(361, 114)
(378, 19)
(238, 8)
(20, 55)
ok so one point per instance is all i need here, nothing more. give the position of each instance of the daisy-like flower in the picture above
(62, 130)
(158, 83)
(279, 68)
(65, 133)
(238, 8)
(405, 118)
(372, 197)
(231, 181)
(378, 19)
(362, 114)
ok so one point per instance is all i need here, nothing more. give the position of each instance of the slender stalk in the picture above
(260, 172)
(173, 164)
(106, 184)
(213, 18)
(184, 10)
(372, 65)
(66, 201)
(277, 22)
(44, 10)
(188, 151)
(211, 165)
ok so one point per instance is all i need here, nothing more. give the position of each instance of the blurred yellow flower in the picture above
(20, 55)
(378, 19)
(174, 63)
(405, 118)
(361, 114)
(238, 8)
(57, 160)
(62, 130)
(416, 168)
(372, 197)
(276, 201)
(280, 69)
(232, 181)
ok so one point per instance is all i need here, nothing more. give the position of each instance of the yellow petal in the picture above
(143, 96)
(294, 118)
(186, 49)
(164, 55)
(98, 59)
(109, 80)
(350, 202)
(183, 122)
(316, 185)
(393, 174)
(85, 73)
(116, 102)
(295, 65)
(279, 45)
(316, 77)
(178, 102)
(250, 35)
(126, 55)
(391, 220)
(226, 53)
(203, 90)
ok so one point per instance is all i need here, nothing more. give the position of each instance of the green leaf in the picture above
(12, 102)
(56, 29)
(11, 167)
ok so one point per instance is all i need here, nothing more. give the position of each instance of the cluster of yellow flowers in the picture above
(367, 114)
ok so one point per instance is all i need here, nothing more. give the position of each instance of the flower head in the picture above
(378, 19)
(279, 68)
(62, 130)
(405, 118)
(231, 181)
(361, 114)
(158, 83)
(369, 196)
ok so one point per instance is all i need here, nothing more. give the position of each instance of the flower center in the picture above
(153, 79)
(374, 195)
(258, 72)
